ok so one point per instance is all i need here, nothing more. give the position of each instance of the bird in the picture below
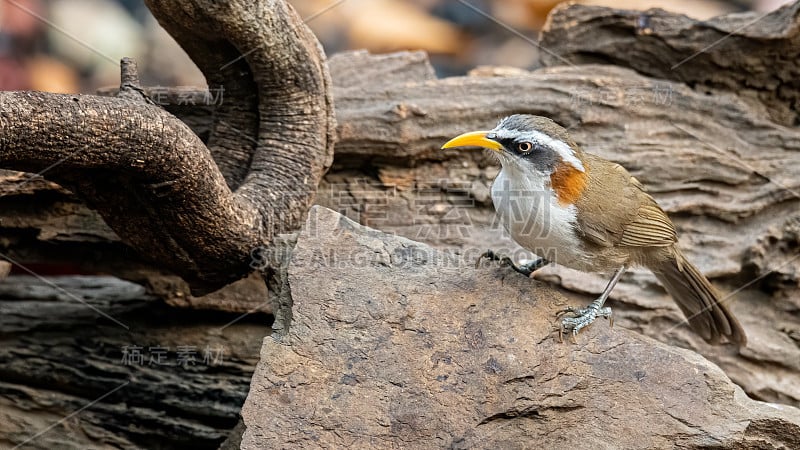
(581, 211)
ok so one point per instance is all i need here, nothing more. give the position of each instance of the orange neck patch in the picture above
(568, 183)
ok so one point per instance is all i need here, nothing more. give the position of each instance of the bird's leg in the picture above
(526, 269)
(585, 316)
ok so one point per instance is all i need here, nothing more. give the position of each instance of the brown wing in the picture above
(615, 210)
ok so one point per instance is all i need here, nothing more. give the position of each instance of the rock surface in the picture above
(395, 344)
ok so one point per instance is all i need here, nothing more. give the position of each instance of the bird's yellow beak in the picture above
(476, 139)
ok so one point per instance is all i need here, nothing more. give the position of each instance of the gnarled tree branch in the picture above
(196, 210)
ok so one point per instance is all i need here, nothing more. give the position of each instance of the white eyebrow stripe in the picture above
(561, 147)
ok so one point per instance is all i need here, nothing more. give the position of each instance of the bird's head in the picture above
(533, 146)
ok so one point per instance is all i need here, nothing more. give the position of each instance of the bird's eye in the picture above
(524, 147)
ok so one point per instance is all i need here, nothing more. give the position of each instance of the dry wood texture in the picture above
(167, 377)
(197, 209)
(752, 54)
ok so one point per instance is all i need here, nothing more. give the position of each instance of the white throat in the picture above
(532, 215)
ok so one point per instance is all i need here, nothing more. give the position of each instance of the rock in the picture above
(248, 295)
(395, 344)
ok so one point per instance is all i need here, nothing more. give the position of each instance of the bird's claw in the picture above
(581, 318)
(526, 268)
(492, 256)
(570, 309)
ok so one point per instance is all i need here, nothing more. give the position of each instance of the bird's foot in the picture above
(526, 268)
(583, 317)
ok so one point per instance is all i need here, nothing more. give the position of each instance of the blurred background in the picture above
(75, 45)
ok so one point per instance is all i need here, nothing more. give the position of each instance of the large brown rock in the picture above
(395, 344)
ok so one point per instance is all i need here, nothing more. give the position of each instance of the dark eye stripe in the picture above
(507, 143)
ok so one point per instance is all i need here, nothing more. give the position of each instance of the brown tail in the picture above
(699, 301)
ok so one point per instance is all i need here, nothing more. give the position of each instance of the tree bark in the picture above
(154, 182)
(168, 377)
(752, 54)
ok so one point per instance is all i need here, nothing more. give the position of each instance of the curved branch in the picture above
(151, 178)
(145, 171)
(245, 45)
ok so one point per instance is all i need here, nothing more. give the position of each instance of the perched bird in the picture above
(582, 211)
